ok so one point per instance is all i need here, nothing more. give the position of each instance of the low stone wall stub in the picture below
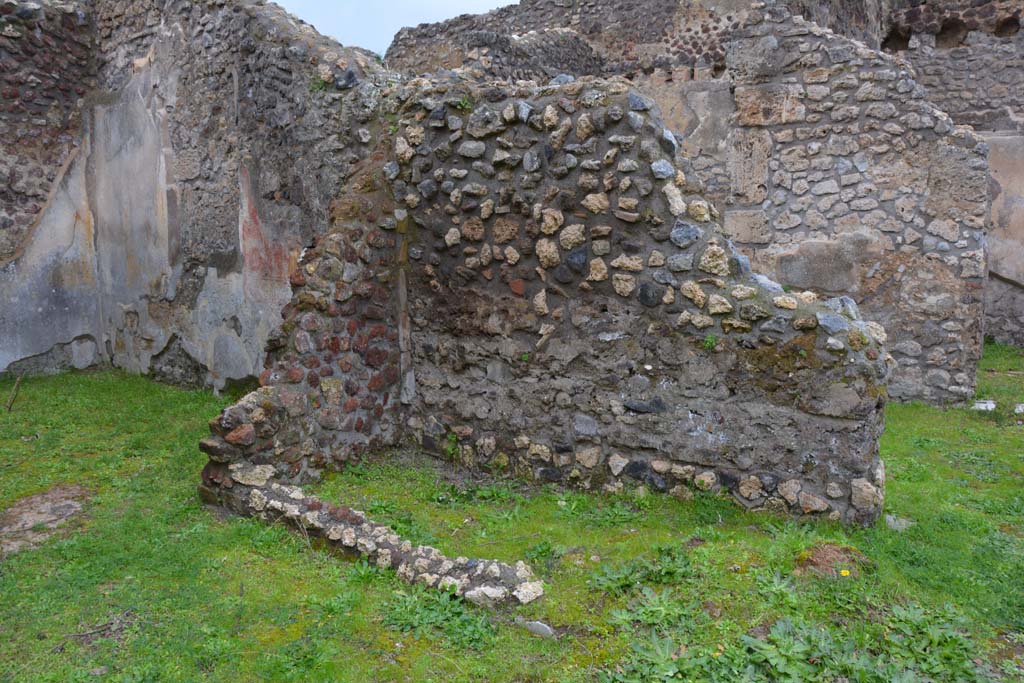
(487, 583)
(575, 281)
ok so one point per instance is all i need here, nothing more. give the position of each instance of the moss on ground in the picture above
(639, 588)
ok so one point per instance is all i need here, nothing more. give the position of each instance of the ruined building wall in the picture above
(331, 392)
(844, 178)
(330, 385)
(562, 307)
(979, 82)
(46, 69)
(863, 20)
(835, 173)
(596, 330)
(970, 59)
(234, 126)
(653, 32)
(1005, 289)
(236, 176)
(969, 56)
(632, 37)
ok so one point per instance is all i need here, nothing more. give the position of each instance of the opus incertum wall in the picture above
(538, 293)
(969, 57)
(833, 169)
(525, 278)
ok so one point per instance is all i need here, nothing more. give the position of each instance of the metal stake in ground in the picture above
(14, 393)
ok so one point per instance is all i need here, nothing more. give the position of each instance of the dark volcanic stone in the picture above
(651, 295)
(685, 234)
(637, 469)
(563, 275)
(577, 259)
(550, 474)
(654, 406)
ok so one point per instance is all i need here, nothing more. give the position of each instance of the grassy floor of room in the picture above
(152, 586)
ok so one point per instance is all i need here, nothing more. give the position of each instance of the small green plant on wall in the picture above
(451, 446)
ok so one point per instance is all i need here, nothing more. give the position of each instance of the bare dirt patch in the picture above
(32, 520)
(829, 559)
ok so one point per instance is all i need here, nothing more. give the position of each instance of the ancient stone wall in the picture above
(632, 37)
(331, 393)
(648, 34)
(834, 171)
(126, 33)
(46, 69)
(970, 59)
(846, 179)
(597, 327)
(969, 56)
(234, 125)
(1005, 289)
(336, 356)
(538, 55)
(523, 278)
(568, 311)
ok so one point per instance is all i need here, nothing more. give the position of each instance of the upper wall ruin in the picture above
(844, 178)
(813, 146)
(833, 170)
(214, 115)
(970, 60)
(969, 56)
(647, 35)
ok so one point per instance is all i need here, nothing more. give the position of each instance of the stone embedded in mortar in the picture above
(719, 305)
(472, 149)
(596, 203)
(624, 285)
(548, 254)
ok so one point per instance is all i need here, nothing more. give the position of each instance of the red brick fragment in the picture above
(245, 435)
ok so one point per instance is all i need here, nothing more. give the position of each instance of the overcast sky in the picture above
(373, 23)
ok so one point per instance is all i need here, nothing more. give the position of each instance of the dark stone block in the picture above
(651, 295)
(637, 469)
(653, 406)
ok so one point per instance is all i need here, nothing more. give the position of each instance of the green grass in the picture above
(639, 587)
